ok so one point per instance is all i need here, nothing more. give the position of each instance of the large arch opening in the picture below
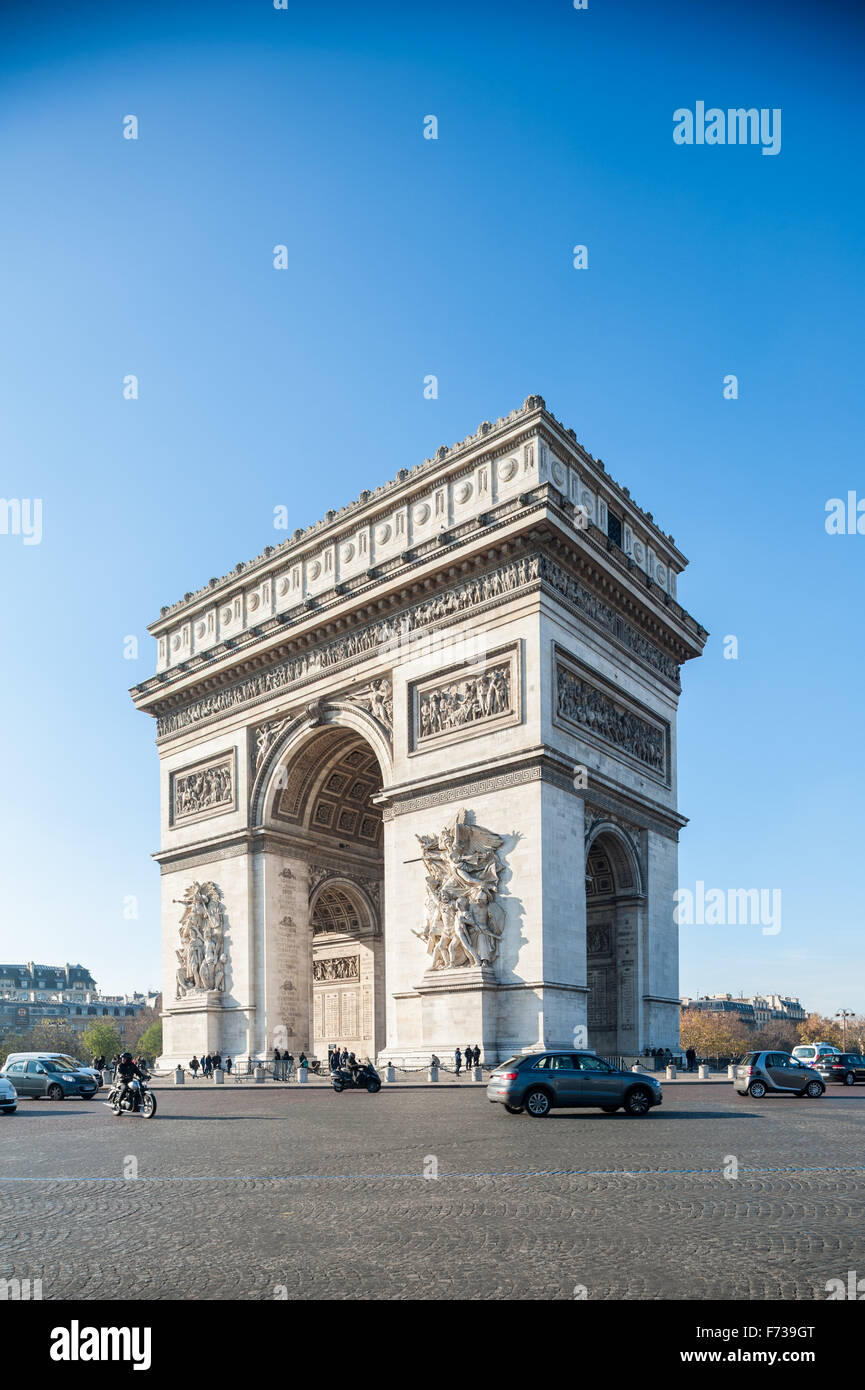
(321, 813)
(613, 897)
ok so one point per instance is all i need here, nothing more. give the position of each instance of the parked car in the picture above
(8, 1097)
(70, 1063)
(45, 1076)
(810, 1053)
(541, 1082)
(846, 1067)
(777, 1072)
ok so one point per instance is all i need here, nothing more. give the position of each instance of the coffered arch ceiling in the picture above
(329, 787)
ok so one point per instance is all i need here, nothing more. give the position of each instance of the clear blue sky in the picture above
(409, 257)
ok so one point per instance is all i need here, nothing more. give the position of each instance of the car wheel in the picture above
(537, 1104)
(514, 1109)
(849, 1079)
(638, 1101)
(55, 1092)
(814, 1089)
(609, 1109)
(757, 1089)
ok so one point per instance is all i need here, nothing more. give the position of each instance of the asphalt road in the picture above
(247, 1195)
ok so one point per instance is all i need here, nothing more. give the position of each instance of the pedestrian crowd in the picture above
(283, 1064)
(470, 1058)
(209, 1063)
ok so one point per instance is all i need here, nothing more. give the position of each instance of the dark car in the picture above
(776, 1072)
(541, 1082)
(45, 1077)
(846, 1067)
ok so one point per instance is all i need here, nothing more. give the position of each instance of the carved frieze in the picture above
(336, 968)
(373, 639)
(583, 704)
(457, 703)
(205, 790)
(389, 634)
(605, 616)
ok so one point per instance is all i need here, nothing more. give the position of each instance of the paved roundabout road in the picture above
(248, 1195)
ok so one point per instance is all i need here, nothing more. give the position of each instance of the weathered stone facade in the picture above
(425, 755)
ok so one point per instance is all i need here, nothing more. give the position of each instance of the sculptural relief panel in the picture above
(583, 702)
(466, 700)
(207, 789)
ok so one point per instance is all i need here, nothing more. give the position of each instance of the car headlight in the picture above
(69, 1078)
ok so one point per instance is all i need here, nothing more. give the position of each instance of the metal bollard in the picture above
(671, 1072)
(432, 1074)
(219, 1077)
(703, 1072)
(731, 1071)
(636, 1067)
(389, 1074)
(258, 1074)
(179, 1077)
(477, 1073)
(302, 1075)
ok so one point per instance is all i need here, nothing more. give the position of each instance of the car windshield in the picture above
(50, 1065)
(68, 1062)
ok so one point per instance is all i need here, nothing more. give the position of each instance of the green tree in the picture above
(150, 1042)
(53, 1035)
(100, 1040)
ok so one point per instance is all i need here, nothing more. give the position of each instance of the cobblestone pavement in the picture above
(241, 1192)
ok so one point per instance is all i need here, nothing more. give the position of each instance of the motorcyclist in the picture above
(126, 1071)
(353, 1067)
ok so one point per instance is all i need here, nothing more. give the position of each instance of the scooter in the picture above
(365, 1079)
(139, 1100)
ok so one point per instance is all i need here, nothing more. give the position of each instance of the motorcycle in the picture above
(366, 1078)
(139, 1099)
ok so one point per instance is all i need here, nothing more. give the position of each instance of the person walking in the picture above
(228, 1065)
(287, 1065)
(458, 1061)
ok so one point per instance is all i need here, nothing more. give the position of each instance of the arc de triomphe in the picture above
(418, 769)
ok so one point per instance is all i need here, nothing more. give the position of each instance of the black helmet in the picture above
(126, 1057)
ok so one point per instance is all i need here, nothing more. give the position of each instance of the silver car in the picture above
(8, 1097)
(777, 1072)
(541, 1082)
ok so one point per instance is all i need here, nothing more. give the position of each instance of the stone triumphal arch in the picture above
(418, 769)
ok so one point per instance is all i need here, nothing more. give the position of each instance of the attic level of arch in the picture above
(661, 624)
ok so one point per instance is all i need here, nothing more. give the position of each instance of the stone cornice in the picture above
(291, 669)
(463, 493)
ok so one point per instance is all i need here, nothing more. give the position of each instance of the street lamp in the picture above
(844, 1014)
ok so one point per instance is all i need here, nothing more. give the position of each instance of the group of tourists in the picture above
(209, 1063)
(283, 1064)
(338, 1059)
(471, 1058)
